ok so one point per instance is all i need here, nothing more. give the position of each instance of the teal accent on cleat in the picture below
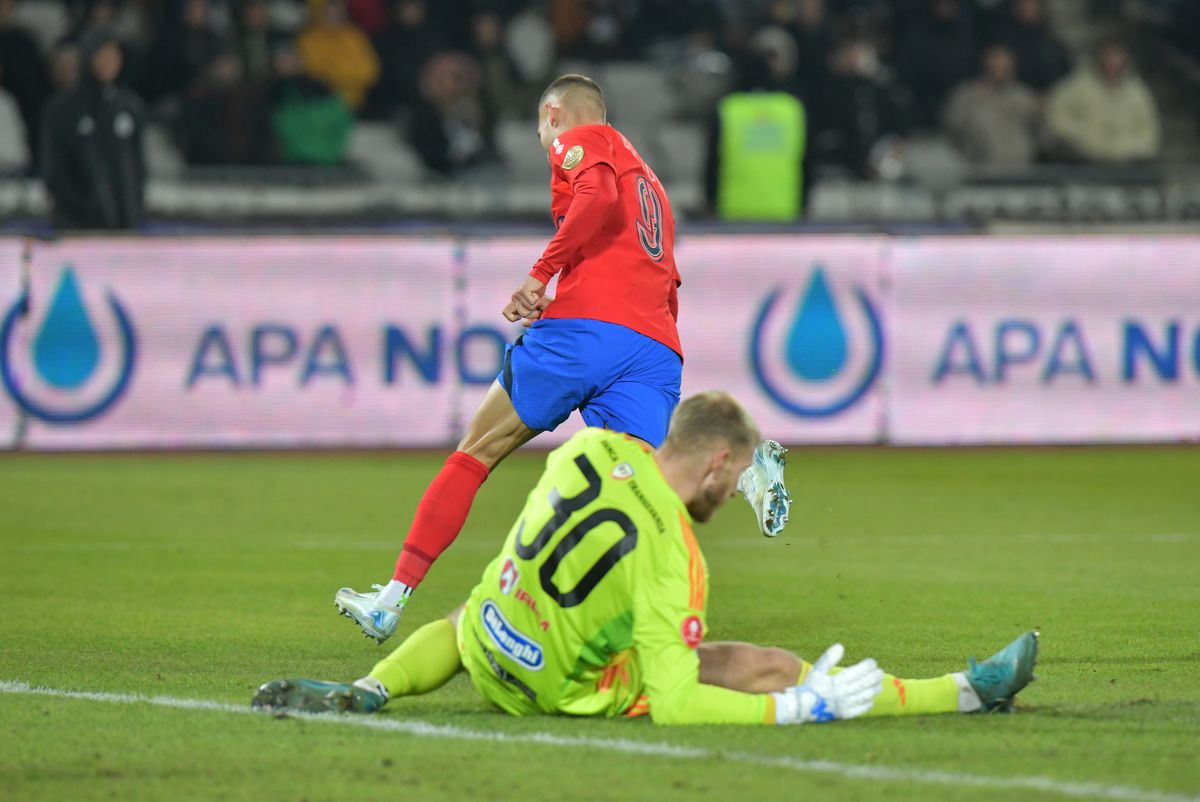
(1002, 676)
(377, 620)
(315, 696)
(762, 486)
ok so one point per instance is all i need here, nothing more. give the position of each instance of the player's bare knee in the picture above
(492, 447)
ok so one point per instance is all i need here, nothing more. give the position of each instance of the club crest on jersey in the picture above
(622, 471)
(692, 631)
(524, 650)
(509, 576)
(573, 158)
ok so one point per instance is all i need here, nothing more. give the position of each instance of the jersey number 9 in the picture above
(649, 223)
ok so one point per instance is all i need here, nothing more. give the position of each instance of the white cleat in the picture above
(762, 486)
(377, 621)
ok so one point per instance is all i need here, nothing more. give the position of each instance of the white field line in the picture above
(1078, 790)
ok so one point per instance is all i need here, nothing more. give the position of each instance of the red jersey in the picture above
(615, 247)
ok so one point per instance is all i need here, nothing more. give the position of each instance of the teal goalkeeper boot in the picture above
(1000, 677)
(314, 696)
(762, 486)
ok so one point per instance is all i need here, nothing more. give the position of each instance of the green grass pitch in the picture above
(200, 576)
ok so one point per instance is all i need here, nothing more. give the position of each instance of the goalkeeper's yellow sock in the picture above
(915, 697)
(426, 661)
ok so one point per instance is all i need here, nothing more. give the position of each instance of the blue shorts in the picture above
(618, 379)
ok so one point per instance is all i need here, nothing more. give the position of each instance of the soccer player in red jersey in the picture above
(606, 345)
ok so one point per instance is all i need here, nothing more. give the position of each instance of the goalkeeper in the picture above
(596, 607)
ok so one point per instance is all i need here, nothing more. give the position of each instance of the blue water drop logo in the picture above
(816, 344)
(66, 350)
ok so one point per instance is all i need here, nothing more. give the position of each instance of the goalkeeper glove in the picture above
(828, 697)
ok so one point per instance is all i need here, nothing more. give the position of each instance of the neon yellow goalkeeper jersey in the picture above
(596, 603)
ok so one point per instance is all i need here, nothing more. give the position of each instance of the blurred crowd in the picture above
(241, 82)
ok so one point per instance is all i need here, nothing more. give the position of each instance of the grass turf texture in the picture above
(201, 576)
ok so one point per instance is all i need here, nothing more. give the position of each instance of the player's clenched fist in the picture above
(527, 302)
(829, 697)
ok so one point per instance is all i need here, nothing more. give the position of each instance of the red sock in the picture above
(440, 516)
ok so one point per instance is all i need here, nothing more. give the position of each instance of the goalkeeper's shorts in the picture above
(614, 690)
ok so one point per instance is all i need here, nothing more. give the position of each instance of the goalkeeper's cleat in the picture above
(314, 696)
(1000, 677)
(762, 486)
(378, 621)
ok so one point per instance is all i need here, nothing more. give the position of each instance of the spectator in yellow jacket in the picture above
(336, 52)
(1105, 113)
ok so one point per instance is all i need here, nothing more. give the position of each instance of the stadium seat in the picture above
(518, 145)
(637, 93)
(163, 158)
(683, 147)
(379, 150)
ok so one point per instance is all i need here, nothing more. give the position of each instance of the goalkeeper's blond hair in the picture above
(706, 419)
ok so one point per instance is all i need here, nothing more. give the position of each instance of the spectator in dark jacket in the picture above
(857, 107)
(449, 126)
(1042, 59)
(937, 54)
(64, 66)
(22, 72)
(403, 49)
(221, 122)
(92, 158)
(255, 39)
(504, 94)
(182, 51)
(813, 33)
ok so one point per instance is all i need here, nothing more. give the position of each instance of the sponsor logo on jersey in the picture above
(524, 650)
(83, 354)
(530, 602)
(573, 158)
(558, 147)
(622, 471)
(692, 630)
(509, 576)
(823, 357)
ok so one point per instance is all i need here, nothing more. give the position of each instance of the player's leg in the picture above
(545, 376)
(754, 669)
(495, 432)
(984, 687)
(427, 660)
(424, 662)
(762, 486)
(990, 685)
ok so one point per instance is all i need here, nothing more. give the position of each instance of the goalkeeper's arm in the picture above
(665, 636)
